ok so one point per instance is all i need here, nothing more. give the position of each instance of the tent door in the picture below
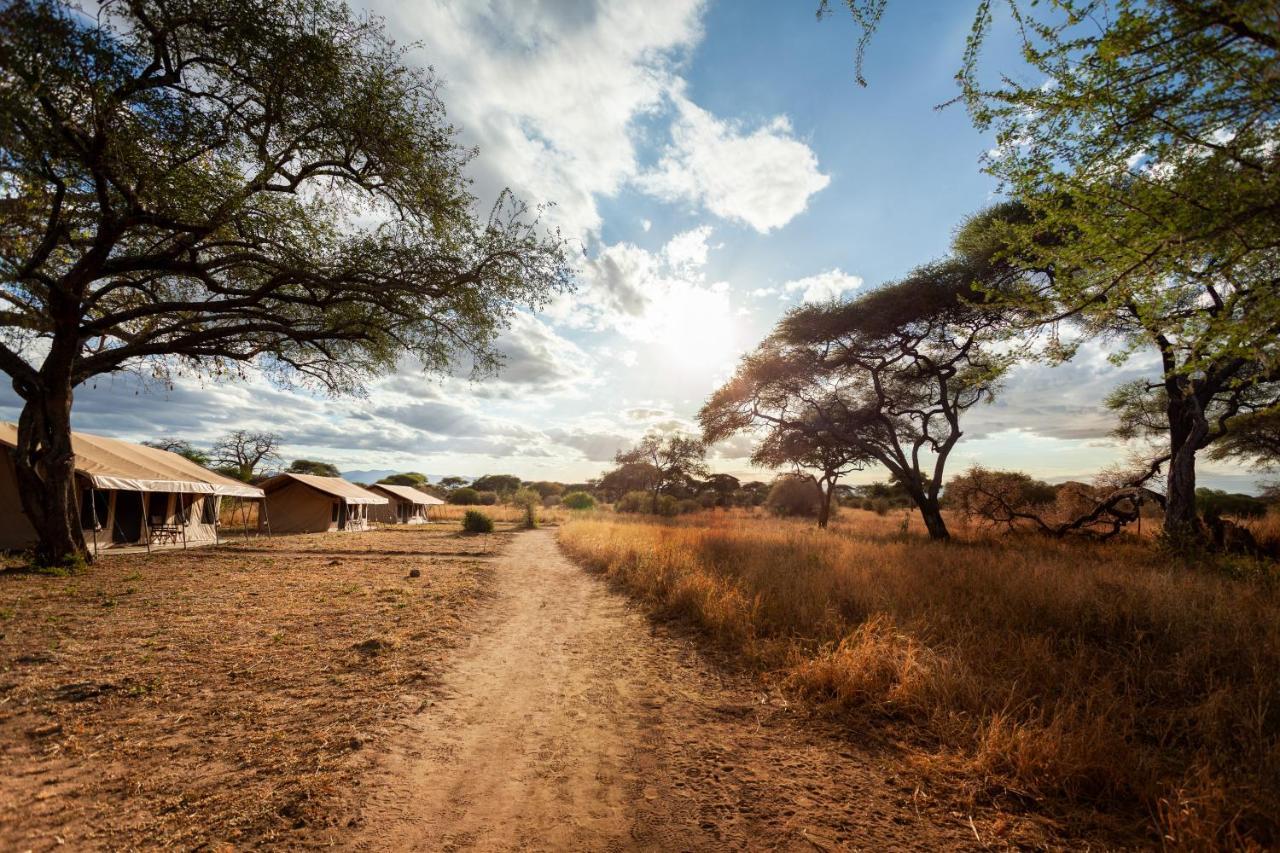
(128, 520)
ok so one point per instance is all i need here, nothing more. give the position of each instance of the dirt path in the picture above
(571, 722)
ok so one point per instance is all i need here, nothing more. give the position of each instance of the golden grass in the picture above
(1090, 675)
(504, 513)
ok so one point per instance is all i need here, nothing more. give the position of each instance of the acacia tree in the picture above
(815, 450)
(313, 467)
(1148, 138)
(196, 186)
(885, 377)
(180, 446)
(669, 459)
(243, 453)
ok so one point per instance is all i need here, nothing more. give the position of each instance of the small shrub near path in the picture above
(228, 695)
(477, 522)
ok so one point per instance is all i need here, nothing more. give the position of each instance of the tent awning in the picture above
(108, 463)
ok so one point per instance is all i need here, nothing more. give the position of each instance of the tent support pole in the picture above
(93, 508)
(244, 518)
(146, 525)
(264, 519)
(182, 504)
(217, 519)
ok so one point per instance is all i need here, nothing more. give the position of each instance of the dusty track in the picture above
(571, 722)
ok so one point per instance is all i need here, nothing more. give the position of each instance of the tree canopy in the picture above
(884, 377)
(191, 186)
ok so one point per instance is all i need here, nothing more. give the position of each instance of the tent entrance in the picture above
(128, 517)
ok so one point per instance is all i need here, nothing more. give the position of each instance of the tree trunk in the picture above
(932, 515)
(1187, 430)
(45, 466)
(824, 508)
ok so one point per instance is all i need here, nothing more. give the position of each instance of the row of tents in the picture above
(132, 496)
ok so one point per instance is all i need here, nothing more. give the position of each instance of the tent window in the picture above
(334, 517)
(158, 508)
(209, 512)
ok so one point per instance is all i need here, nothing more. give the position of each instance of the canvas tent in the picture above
(406, 504)
(129, 494)
(305, 503)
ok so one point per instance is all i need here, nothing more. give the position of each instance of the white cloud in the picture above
(821, 287)
(549, 90)
(762, 177)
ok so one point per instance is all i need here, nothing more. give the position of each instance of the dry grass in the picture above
(1088, 680)
(221, 695)
(502, 513)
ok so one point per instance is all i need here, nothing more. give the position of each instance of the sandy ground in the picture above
(221, 698)
(572, 722)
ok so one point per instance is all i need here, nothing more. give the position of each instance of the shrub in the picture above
(578, 500)
(635, 502)
(477, 522)
(688, 505)
(487, 498)
(667, 506)
(551, 500)
(793, 495)
(466, 496)
(528, 500)
(1215, 502)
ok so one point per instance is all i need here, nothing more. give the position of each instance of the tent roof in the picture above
(408, 493)
(336, 486)
(109, 463)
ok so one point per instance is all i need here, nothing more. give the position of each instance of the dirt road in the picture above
(571, 722)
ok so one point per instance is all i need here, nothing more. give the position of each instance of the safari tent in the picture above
(129, 495)
(305, 503)
(406, 504)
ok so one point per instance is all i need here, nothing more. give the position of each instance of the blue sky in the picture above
(717, 163)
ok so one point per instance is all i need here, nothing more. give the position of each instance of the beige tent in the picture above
(305, 503)
(129, 494)
(407, 504)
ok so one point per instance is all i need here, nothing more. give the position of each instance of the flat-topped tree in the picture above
(190, 186)
(670, 460)
(809, 447)
(884, 378)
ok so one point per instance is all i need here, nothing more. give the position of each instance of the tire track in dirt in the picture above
(570, 721)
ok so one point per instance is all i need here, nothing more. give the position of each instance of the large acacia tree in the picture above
(884, 377)
(192, 185)
(1146, 133)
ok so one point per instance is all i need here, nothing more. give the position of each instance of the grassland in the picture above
(1095, 684)
(231, 695)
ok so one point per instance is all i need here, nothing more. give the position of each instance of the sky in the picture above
(713, 164)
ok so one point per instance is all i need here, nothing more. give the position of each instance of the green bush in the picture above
(578, 500)
(689, 505)
(1215, 502)
(667, 506)
(529, 500)
(465, 496)
(635, 502)
(487, 498)
(477, 522)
